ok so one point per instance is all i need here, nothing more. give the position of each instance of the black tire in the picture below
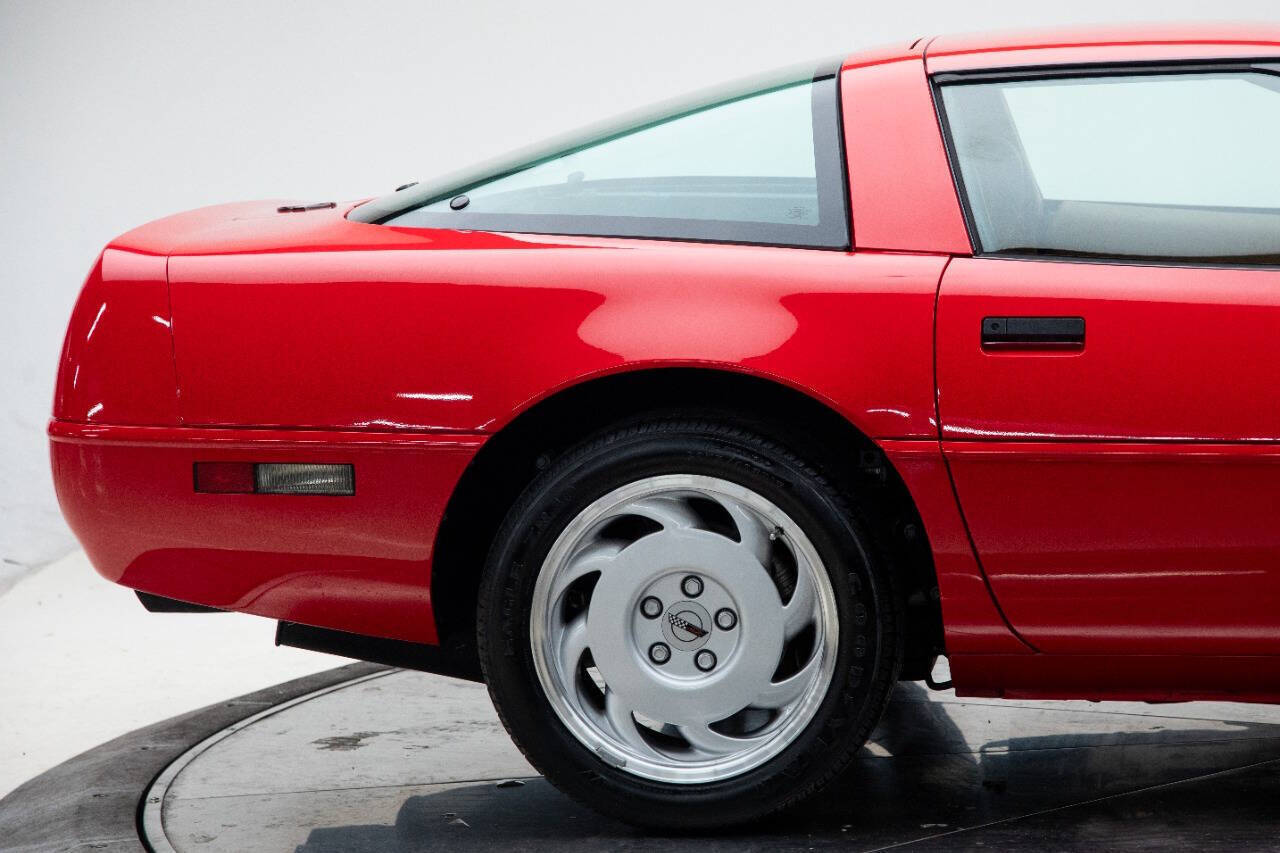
(870, 618)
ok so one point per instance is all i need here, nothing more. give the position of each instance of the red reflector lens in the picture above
(224, 477)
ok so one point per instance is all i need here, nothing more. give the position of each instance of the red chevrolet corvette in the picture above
(693, 433)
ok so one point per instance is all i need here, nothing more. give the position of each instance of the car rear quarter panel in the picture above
(357, 563)
(463, 331)
(117, 357)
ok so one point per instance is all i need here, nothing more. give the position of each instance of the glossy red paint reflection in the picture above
(117, 359)
(463, 331)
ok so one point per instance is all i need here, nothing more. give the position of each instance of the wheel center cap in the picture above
(629, 615)
(687, 625)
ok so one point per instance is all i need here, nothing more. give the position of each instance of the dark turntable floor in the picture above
(401, 761)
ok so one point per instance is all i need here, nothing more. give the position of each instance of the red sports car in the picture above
(693, 433)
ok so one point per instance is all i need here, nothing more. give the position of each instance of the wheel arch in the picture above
(531, 439)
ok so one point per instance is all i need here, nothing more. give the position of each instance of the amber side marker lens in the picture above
(275, 478)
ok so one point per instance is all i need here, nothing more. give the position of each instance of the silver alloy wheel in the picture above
(739, 655)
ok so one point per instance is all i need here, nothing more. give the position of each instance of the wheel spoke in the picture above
(596, 557)
(624, 725)
(713, 744)
(779, 694)
(799, 610)
(572, 644)
(752, 531)
(669, 512)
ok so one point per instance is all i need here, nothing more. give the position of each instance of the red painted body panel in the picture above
(1108, 512)
(1129, 548)
(463, 331)
(892, 52)
(117, 359)
(1119, 509)
(1163, 359)
(890, 132)
(1110, 45)
(974, 625)
(359, 563)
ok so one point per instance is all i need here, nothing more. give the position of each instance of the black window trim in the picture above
(1264, 65)
(833, 233)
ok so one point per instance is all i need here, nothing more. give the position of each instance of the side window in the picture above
(765, 167)
(1157, 166)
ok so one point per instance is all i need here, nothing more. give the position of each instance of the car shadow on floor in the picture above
(936, 775)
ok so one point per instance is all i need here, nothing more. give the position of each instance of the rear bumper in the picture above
(359, 563)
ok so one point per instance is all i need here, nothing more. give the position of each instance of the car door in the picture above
(1108, 361)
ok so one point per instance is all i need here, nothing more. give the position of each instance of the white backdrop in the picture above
(115, 113)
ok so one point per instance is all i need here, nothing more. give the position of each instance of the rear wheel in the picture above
(684, 625)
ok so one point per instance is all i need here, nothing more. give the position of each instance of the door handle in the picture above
(1033, 332)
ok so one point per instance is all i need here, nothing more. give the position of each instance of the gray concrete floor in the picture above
(403, 761)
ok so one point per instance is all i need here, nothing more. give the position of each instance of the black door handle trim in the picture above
(1033, 332)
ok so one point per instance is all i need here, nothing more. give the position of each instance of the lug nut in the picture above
(650, 607)
(726, 619)
(692, 586)
(659, 653)
(705, 660)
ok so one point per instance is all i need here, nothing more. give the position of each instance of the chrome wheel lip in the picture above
(558, 685)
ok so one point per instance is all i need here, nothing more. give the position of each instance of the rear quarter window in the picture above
(764, 165)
